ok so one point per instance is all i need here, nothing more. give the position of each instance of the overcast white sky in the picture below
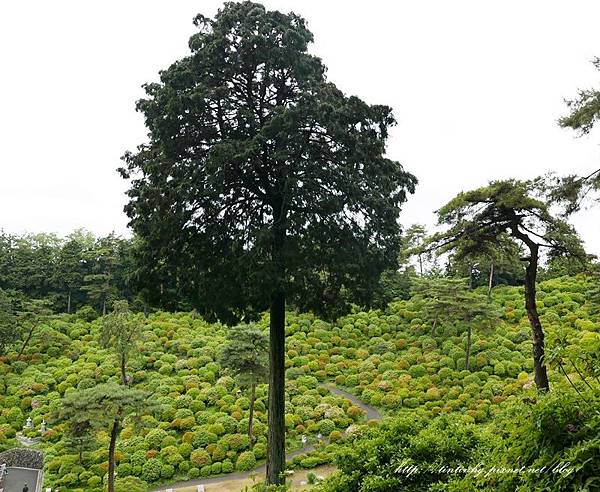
(476, 87)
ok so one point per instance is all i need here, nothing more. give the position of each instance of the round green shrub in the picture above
(94, 481)
(227, 466)
(246, 461)
(167, 471)
(326, 426)
(200, 458)
(124, 469)
(155, 437)
(260, 450)
(416, 371)
(151, 470)
(130, 484)
(203, 437)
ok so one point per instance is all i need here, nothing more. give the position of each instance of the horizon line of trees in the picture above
(68, 272)
(81, 269)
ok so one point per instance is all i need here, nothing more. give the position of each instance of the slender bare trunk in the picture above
(251, 416)
(114, 433)
(490, 282)
(123, 371)
(69, 302)
(539, 364)
(276, 448)
(468, 354)
(26, 342)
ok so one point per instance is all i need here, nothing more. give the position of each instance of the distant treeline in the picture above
(84, 270)
(70, 272)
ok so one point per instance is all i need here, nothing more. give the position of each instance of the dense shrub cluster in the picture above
(390, 359)
(201, 428)
(535, 442)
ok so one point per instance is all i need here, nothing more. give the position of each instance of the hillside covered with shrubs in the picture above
(392, 359)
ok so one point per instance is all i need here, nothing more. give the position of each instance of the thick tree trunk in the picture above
(114, 433)
(468, 354)
(276, 417)
(539, 366)
(541, 376)
(490, 282)
(276, 441)
(251, 416)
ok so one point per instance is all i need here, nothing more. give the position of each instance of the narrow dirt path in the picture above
(371, 412)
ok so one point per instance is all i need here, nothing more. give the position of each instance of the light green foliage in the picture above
(384, 357)
(448, 440)
(532, 432)
(245, 461)
(130, 484)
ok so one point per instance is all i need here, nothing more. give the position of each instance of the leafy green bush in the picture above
(151, 470)
(200, 458)
(246, 461)
(155, 437)
(227, 466)
(130, 484)
(450, 440)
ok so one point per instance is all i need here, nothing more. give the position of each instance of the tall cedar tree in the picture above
(262, 182)
(480, 217)
(69, 270)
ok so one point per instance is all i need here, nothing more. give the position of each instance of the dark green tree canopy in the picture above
(450, 300)
(10, 332)
(248, 141)
(246, 353)
(573, 190)
(585, 110)
(481, 219)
